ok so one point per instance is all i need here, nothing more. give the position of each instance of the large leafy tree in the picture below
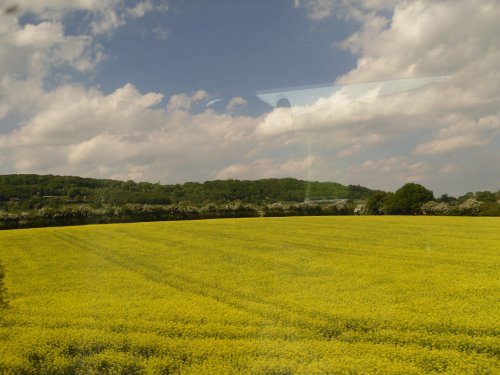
(375, 202)
(408, 199)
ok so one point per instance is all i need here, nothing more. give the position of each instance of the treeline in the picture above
(415, 199)
(85, 214)
(31, 191)
(38, 201)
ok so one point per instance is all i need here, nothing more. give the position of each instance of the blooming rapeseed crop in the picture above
(296, 295)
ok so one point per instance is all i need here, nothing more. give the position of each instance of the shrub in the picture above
(361, 209)
(306, 208)
(276, 209)
(469, 208)
(375, 203)
(435, 208)
(342, 207)
(489, 209)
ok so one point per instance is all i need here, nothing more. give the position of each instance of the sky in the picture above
(371, 92)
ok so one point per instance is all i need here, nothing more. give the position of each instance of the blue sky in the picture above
(225, 46)
(381, 92)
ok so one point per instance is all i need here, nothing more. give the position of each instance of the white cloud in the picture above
(450, 168)
(236, 103)
(381, 133)
(455, 143)
(30, 51)
(35, 49)
(107, 19)
(141, 8)
(390, 173)
(43, 35)
(184, 102)
(107, 22)
(40, 51)
(71, 114)
(424, 37)
(460, 134)
(317, 9)
(419, 39)
(267, 168)
(161, 33)
(124, 133)
(354, 9)
(56, 9)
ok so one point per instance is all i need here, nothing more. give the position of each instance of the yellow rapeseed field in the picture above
(296, 295)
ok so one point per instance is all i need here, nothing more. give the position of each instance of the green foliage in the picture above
(470, 207)
(445, 198)
(489, 209)
(36, 200)
(407, 200)
(361, 208)
(466, 196)
(375, 202)
(88, 214)
(485, 196)
(37, 191)
(358, 192)
(435, 208)
(296, 295)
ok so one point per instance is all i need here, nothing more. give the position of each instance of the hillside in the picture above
(45, 200)
(40, 188)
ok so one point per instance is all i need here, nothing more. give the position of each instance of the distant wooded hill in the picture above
(29, 200)
(42, 190)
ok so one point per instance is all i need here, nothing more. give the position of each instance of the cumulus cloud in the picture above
(141, 8)
(353, 9)
(267, 168)
(184, 102)
(462, 134)
(107, 21)
(124, 133)
(317, 9)
(423, 37)
(30, 51)
(391, 172)
(421, 105)
(33, 49)
(71, 114)
(453, 116)
(449, 145)
(40, 51)
(56, 9)
(236, 103)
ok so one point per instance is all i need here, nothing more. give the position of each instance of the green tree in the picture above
(485, 196)
(445, 198)
(489, 209)
(408, 199)
(375, 202)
